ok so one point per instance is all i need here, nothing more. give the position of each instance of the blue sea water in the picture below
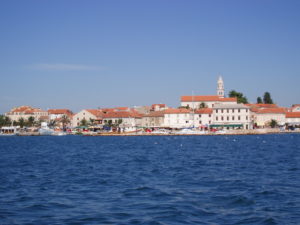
(150, 180)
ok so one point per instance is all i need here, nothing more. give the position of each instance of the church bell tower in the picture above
(220, 88)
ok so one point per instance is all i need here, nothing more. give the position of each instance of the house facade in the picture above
(86, 114)
(27, 111)
(231, 116)
(153, 119)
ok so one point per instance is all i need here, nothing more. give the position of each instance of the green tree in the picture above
(64, 120)
(259, 100)
(119, 122)
(21, 122)
(5, 121)
(91, 122)
(240, 96)
(267, 98)
(273, 123)
(30, 121)
(202, 105)
(83, 122)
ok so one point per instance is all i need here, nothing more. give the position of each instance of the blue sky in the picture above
(88, 54)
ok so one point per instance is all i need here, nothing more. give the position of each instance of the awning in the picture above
(226, 125)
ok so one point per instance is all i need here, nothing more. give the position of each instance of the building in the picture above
(158, 107)
(292, 119)
(263, 117)
(86, 114)
(178, 118)
(220, 88)
(27, 111)
(231, 116)
(203, 118)
(153, 119)
(127, 120)
(55, 114)
(196, 102)
(295, 108)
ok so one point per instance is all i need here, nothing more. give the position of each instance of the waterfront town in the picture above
(207, 114)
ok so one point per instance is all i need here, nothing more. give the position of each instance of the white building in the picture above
(295, 108)
(263, 117)
(178, 118)
(231, 116)
(55, 114)
(293, 118)
(27, 111)
(196, 102)
(153, 119)
(203, 117)
(86, 114)
(130, 120)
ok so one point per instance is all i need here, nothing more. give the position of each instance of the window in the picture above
(246, 110)
(216, 111)
(222, 118)
(227, 110)
(209, 115)
(217, 118)
(209, 122)
(239, 110)
(222, 111)
(233, 118)
(233, 110)
(239, 118)
(200, 122)
(246, 117)
(199, 115)
(186, 121)
(227, 118)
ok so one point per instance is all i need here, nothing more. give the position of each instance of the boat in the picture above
(45, 130)
(190, 132)
(9, 131)
(160, 131)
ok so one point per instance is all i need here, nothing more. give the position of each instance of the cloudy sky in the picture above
(88, 54)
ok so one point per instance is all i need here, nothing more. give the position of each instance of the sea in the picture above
(150, 180)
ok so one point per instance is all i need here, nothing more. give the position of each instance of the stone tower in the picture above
(220, 88)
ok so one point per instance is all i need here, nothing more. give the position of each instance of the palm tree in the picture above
(273, 123)
(30, 121)
(21, 122)
(64, 120)
(83, 122)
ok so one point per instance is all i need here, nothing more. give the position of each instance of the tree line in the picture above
(243, 99)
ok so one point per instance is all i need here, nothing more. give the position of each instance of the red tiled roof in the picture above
(208, 98)
(59, 111)
(272, 111)
(21, 109)
(176, 111)
(95, 112)
(262, 105)
(159, 105)
(293, 115)
(122, 114)
(155, 114)
(122, 108)
(204, 111)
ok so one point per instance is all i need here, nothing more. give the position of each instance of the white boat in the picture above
(45, 130)
(190, 131)
(9, 131)
(59, 133)
(160, 131)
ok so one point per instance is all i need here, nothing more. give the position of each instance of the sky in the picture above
(106, 53)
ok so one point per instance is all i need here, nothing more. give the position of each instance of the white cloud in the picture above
(64, 67)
